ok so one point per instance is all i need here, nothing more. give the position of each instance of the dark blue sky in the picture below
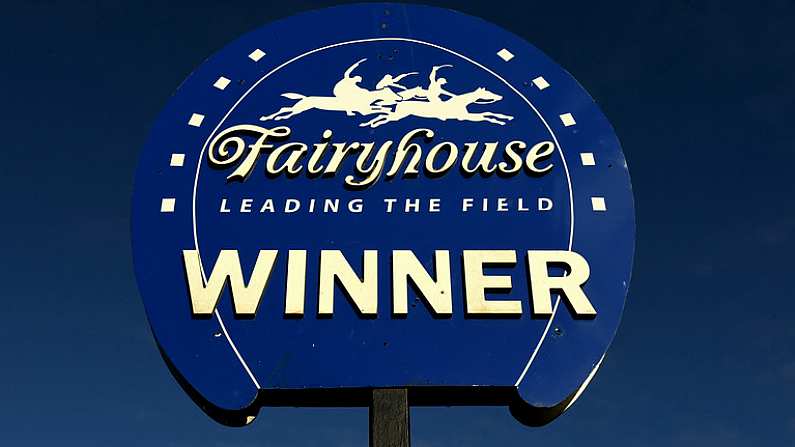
(700, 94)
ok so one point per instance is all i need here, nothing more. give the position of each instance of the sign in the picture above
(382, 196)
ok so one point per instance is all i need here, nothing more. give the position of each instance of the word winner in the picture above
(362, 287)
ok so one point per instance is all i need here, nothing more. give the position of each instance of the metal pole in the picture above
(389, 418)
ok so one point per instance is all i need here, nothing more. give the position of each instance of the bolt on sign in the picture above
(382, 196)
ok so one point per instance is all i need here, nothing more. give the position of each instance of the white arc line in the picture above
(538, 346)
(585, 383)
(234, 348)
(379, 39)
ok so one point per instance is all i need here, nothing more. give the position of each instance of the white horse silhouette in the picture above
(453, 108)
(365, 104)
(350, 98)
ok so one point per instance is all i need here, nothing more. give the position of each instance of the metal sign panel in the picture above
(382, 196)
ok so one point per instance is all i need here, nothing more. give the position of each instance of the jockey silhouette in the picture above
(348, 89)
(435, 90)
(389, 81)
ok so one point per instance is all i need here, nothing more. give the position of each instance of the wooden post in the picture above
(389, 418)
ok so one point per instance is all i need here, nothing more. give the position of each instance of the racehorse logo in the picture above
(391, 101)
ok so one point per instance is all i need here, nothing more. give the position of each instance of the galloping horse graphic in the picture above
(453, 108)
(366, 104)
(390, 105)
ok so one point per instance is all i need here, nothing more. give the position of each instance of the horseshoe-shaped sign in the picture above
(382, 196)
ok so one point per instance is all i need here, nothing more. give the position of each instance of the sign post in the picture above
(372, 202)
(389, 418)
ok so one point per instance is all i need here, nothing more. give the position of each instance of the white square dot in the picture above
(196, 120)
(587, 159)
(256, 55)
(221, 83)
(567, 119)
(598, 204)
(541, 83)
(167, 205)
(177, 160)
(505, 55)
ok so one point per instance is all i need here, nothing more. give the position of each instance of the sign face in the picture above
(381, 196)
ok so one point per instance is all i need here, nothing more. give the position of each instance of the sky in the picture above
(700, 95)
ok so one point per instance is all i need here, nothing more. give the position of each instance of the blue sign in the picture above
(382, 196)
